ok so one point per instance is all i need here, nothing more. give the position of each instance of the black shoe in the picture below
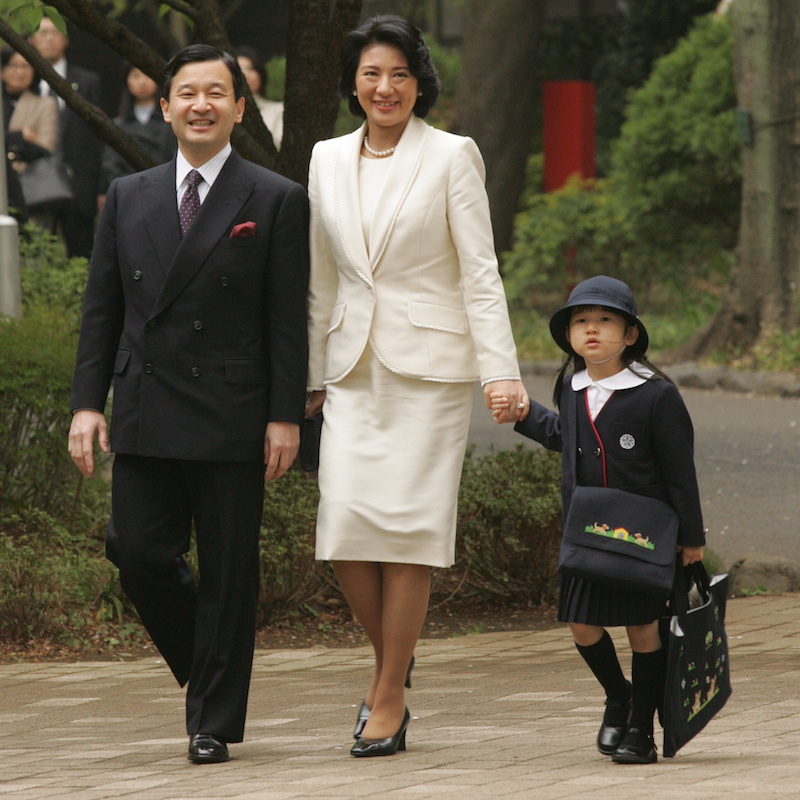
(363, 712)
(205, 748)
(636, 748)
(614, 727)
(383, 747)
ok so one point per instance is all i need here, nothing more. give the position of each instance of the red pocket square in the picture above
(244, 229)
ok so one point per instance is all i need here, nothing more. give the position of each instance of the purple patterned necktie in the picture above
(190, 202)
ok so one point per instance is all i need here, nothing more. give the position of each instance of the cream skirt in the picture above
(391, 455)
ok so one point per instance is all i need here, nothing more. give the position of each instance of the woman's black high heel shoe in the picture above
(363, 712)
(383, 747)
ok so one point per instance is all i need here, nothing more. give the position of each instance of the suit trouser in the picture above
(204, 629)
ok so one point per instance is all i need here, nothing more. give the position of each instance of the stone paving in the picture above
(497, 715)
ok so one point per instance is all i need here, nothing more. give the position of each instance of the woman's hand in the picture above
(690, 555)
(314, 402)
(507, 400)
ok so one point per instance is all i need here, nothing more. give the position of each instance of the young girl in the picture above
(622, 424)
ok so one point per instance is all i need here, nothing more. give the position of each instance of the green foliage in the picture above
(677, 164)
(667, 215)
(25, 16)
(36, 358)
(568, 234)
(291, 579)
(50, 579)
(51, 281)
(509, 526)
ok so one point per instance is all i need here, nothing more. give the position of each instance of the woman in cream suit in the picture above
(406, 311)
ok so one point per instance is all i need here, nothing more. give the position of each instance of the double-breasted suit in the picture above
(205, 339)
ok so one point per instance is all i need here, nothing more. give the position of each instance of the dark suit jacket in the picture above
(660, 465)
(205, 337)
(79, 146)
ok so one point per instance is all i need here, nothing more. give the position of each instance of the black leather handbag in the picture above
(617, 538)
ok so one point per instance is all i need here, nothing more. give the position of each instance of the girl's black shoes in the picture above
(383, 747)
(615, 725)
(637, 748)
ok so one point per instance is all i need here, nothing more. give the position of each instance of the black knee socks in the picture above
(648, 671)
(602, 660)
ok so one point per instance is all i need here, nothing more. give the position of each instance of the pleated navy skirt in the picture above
(592, 604)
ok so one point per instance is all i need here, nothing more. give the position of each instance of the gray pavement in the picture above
(498, 715)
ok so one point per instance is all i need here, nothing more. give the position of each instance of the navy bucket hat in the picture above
(598, 291)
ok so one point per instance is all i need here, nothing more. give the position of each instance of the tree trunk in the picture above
(762, 294)
(495, 97)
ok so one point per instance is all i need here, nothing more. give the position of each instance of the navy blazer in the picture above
(205, 337)
(660, 464)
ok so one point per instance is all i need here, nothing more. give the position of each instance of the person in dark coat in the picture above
(621, 424)
(195, 306)
(140, 117)
(81, 150)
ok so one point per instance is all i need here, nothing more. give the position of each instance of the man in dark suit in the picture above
(204, 334)
(81, 150)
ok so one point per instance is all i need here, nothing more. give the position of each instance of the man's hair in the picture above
(202, 52)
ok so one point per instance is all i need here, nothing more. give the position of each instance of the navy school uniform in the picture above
(642, 441)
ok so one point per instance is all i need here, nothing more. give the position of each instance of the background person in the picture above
(140, 117)
(31, 121)
(255, 73)
(81, 150)
(407, 311)
(195, 306)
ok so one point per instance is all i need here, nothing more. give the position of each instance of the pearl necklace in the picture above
(378, 153)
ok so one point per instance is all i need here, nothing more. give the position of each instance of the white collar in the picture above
(624, 379)
(210, 170)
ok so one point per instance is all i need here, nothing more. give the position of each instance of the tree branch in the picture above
(88, 18)
(182, 8)
(100, 122)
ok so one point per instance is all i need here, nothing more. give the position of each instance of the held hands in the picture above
(507, 400)
(86, 424)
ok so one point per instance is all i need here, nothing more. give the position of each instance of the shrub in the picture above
(509, 526)
(36, 358)
(291, 580)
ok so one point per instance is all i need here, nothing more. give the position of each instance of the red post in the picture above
(569, 132)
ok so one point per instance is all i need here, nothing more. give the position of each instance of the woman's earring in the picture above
(419, 94)
(355, 93)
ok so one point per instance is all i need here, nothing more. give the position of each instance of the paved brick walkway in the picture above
(499, 715)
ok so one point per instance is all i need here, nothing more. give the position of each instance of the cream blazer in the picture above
(428, 297)
(39, 114)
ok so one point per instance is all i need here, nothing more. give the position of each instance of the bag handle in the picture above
(684, 577)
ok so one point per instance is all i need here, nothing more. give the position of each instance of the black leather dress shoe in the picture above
(614, 727)
(205, 748)
(637, 748)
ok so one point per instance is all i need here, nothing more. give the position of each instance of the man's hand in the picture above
(86, 424)
(281, 443)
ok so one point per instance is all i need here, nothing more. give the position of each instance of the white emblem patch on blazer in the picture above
(627, 442)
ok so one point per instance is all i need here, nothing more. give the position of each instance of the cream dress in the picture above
(391, 453)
